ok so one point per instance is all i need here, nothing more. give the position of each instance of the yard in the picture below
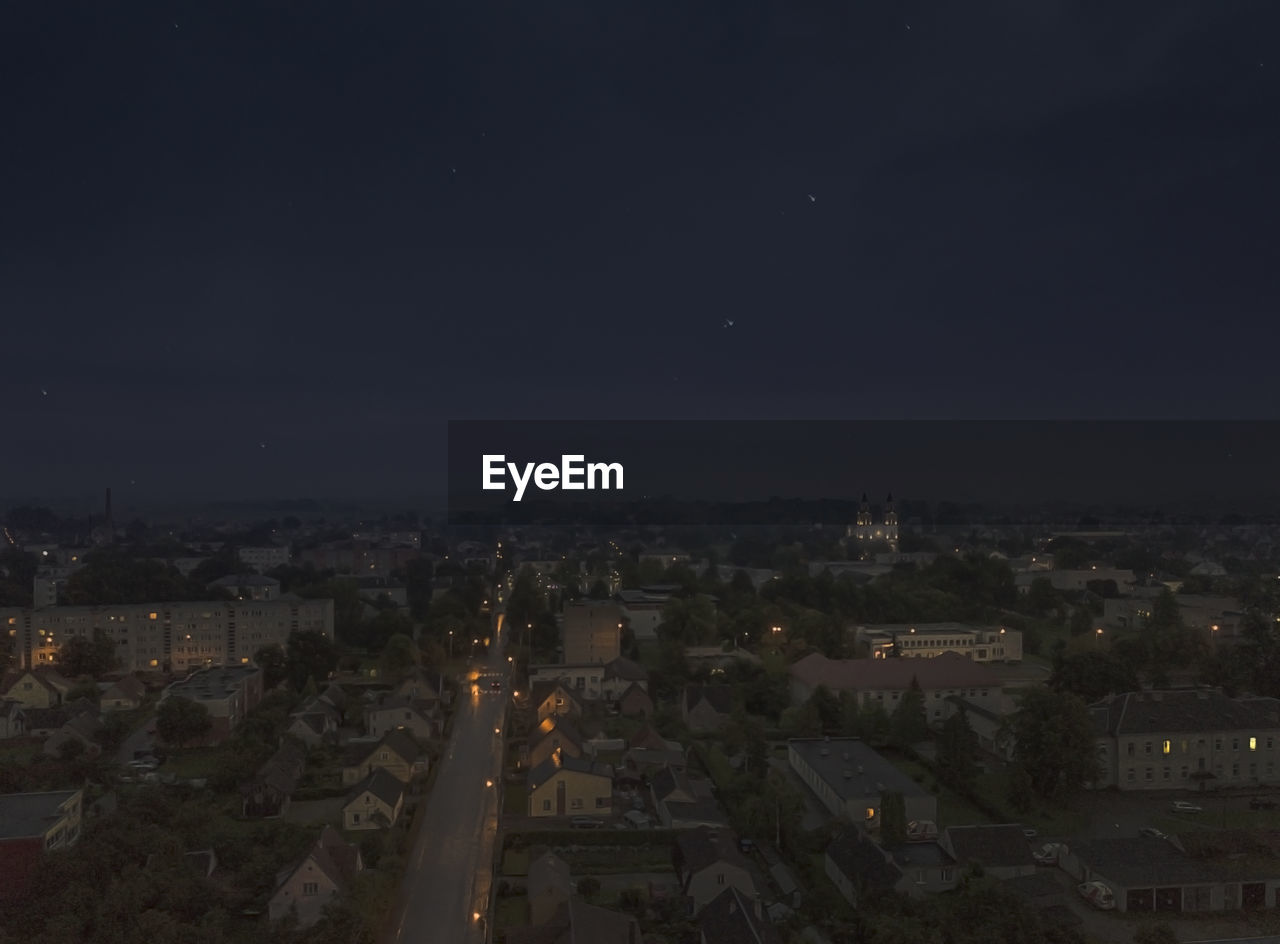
(511, 911)
(199, 761)
(515, 863)
(953, 810)
(515, 799)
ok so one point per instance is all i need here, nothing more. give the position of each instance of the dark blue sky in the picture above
(329, 227)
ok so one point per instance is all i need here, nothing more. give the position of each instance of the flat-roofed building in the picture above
(927, 640)
(227, 693)
(851, 779)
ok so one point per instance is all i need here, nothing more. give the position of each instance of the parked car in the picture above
(1097, 894)
(586, 822)
(1049, 853)
(1182, 806)
(922, 830)
(1150, 832)
(1262, 803)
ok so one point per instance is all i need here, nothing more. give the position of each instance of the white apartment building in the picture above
(172, 637)
(263, 559)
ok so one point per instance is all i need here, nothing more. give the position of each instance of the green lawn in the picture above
(515, 862)
(953, 810)
(197, 762)
(1047, 820)
(511, 911)
(515, 799)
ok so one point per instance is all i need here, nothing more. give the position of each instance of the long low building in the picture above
(927, 640)
(170, 637)
(851, 780)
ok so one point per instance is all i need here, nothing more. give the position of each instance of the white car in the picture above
(1097, 894)
(1182, 806)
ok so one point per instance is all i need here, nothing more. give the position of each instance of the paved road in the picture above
(449, 874)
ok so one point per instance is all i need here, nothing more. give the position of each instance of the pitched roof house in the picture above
(420, 716)
(548, 886)
(397, 753)
(734, 918)
(709, 860)
(564, 786)
(555, 734)
(374, 803)
(325, 872)
(124, 694)
(33, 688)
(1002, 851)
(683, 803)
(269, 792)
(706, 708)
(635, 702)
(555, 698)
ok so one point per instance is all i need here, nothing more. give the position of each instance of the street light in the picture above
(1098, 636)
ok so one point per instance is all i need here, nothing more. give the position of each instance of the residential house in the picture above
(32, 824)
(706, 708)
(620, 674)
(421, 684)
(576, 922)
(707, 861)
(635, 702)
(926, 868)
(682, 803)
(646, 761)
(850, 779)
(556, 734)
(311, 728)
(44, 723)
(269, 792)
(82, 728)
(374, 803)
(987, 726)
(397, 753)
(858, 867)
(1002, 851)
(884, 682)
(1227, 872)
(562, 786)
(34, 688)
(547, 886)
(1177, 740)
(13, 722)
(734, 918)
(420, 717)
(326, 872)
(554, 698)
(124, 694)
(647, 737)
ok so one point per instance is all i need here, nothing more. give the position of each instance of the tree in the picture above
(957, 747)
(1081, 621)
(893, 820)
(588, 887)
(1053, 742)
(274, 664)
(180, 721)
(384, 625)
(909, 724)
(1093, 674)
(827, 707)
(309, 654)
(80, 655)
(399, 657)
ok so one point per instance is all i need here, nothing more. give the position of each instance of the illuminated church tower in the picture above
(865, 530)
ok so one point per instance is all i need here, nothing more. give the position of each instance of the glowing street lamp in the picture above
(1098, 636)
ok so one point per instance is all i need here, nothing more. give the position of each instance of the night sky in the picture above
(253, 249)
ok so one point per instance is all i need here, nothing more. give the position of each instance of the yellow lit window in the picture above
(12, 620)
(151, 616)
(244, 659)
(1166, 747)
(1253, 744)
(871, 812)
(154, 663)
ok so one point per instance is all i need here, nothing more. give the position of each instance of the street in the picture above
(444, 896)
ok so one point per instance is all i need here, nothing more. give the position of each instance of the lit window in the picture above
(1166, 747)
(871, 812)
(152, 616)
(1253, 743)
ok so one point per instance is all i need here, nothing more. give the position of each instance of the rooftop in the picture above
(950, 670)
(1182, 711)
(852, 769)
(23, 815)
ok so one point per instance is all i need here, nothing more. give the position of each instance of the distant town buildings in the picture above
(867, 531)
(927, 640)
(592, 632)
(171, 637)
